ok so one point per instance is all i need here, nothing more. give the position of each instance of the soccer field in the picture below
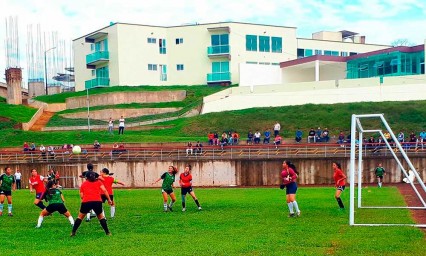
(234, 221)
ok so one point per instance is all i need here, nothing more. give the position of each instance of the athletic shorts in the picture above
(341, 188)
(380, 177)
(185, 191)
(291, 188)
(96, 206)
(39, 195)
(168, 191)
(6, 192)
(51, 208)
(105, 199)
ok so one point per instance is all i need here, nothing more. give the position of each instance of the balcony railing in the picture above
(99, 81)
(219, 77)
(218, 50)
(97, 58)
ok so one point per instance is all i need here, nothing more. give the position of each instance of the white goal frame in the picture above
(357, 127)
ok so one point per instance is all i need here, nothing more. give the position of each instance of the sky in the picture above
(382, 22)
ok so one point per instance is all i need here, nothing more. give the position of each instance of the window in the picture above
(179, 40)
(352, 53)
(92, 47)
(251, 62)
(152, 40)
(102, 72)
(277, 44)
(220, 67)
(220, 39)
(318, 52)
(100, 46)
(275, 64)
(251, 43)
(344, 54)
(308, 52)
(264, 45)
(162, 46)
(93, 72)
(179, 67)
(152, 67)
(300, 53)
(163, 75)
(264, 63)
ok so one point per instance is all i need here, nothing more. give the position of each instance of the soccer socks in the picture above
(9, 208)
(198, 203)
(40, 220)
(112, 211)
(165, 207)
(1, 207)
(104, 225)
(40, 205)
(183, 202)
(171, 204)
(76, 225)
(290, 207)
(339, 201)
(88, 216)
(296, 207)
(71, 220)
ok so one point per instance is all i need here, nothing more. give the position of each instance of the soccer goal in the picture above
(356, 169)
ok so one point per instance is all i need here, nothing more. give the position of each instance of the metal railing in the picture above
(248, 152)
(97, 56)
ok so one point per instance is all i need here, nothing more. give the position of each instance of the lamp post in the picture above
(45, 67)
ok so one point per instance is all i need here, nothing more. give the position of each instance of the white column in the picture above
(316, 70)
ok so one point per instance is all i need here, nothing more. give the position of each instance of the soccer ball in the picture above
(76, 150)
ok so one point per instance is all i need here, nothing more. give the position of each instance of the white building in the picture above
(197, 54)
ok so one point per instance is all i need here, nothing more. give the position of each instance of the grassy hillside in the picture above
(13, 115)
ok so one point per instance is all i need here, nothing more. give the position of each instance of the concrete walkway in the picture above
(42, 121)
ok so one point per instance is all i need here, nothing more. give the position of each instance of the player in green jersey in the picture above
(7, 181)
(167, 187)
(56, 203)
(380, 172)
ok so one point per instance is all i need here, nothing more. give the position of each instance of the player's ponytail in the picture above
(292, 166)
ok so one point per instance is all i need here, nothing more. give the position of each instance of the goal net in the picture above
(356, 175)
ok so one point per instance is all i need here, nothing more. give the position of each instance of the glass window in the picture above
(318, 52)
(308, 52)
(152, 67)
(220, 39)
(179, 40)
(220, 67)
(162, 45)
(152, 40)
(251, 62)
(300, 53)
(179, 67)
(251, 43)
(277, 44)
(264, 45)
(352, 53)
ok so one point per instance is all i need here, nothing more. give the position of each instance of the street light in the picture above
(45, 67)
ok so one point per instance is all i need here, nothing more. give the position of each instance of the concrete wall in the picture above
(252, 74)
(230, 173)
(115, 114)
(125, 97)
(36, 89)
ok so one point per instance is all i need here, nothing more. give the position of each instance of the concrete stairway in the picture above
(42, 121)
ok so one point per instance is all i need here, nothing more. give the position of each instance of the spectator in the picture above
(371, 142)
(110, 126)
(325, 137)
(198, 148)
(43, 151)
(311, 135)
(50, 152)
(413, 139)
(250, 138)
(121, 125)
(267, 137)
(341, 138)
(257, 137)
(277, 140)
(216, 138)
(277, 128)
(388, 136)
(423, 135)
(401, 137)
(96, 145)
(121, 148)
(419, 142)
(318, 134)
(33, 147)
(115, 149)
(26, 147)
(224, 141)
(299, 135)
(210, 138)
(18, 176)
(236, 137)
(230, 138)
(189, 149)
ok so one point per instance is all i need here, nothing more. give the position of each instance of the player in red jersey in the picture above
(108, 180)
(185, 182)
(90, 193)
(339, 180)
(288, 177)
(37, 182)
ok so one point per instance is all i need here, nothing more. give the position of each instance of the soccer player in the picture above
(37, 182)
(108, 180)
(84, 175)
(380, 172)
(7, 181)
(167, 187)
(289, 176)
(339, 180)
(185, 181)
(91, 200)
(56, 203)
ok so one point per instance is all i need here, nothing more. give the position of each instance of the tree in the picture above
(401, 42)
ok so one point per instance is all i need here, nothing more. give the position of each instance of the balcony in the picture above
(97, 82)
(218, 51)
(220, 77)
(97, 58)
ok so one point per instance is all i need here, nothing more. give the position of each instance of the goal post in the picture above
(356, 126)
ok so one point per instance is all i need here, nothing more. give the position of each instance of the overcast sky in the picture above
(380, 21)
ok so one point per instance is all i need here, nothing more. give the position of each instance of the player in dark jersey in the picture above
(7, 181)
(108, 180)
(379, 172)
(339, 180)
(167, 187)
(288, 177)
(91, 200)
(185, 181)
(56, 201)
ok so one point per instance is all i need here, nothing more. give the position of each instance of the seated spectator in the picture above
(401, 137)
(250, 138)
(115, 149)
(26, 147)
(236, 137)
(267, 137)
(223, 142)
(311, 135)
(189, 149)
(370, 142)
(277, 140)
(215, 138)
(318, 133)
(325, 136)
(121, 148)
(33, 146)
(423, 135)
(413, 139)
(257, 137)
(341, 138)
(50, 152)
(419, 142)
(388, 136)
(43, 151)
(198, 148)
(210, 138)
(230, 138)
(96, 145)
(299, 135)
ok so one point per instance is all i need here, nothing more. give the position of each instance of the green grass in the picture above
(238, 221)
(17, 113)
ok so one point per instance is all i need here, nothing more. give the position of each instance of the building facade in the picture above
(197, 54)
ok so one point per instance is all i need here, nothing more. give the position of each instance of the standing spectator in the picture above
(185, 181)
(299, 135)
(249, 138)
(379, 172)
(311, 135)
(267, 137)
(189, 149)
(7, 181)
(257, 137)
(121, 125)
(18, 176)
(277, 128)
(43, 151)
(111, 126)
(288, 177)
(37, 182)
(167, 187)
(339, 180)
